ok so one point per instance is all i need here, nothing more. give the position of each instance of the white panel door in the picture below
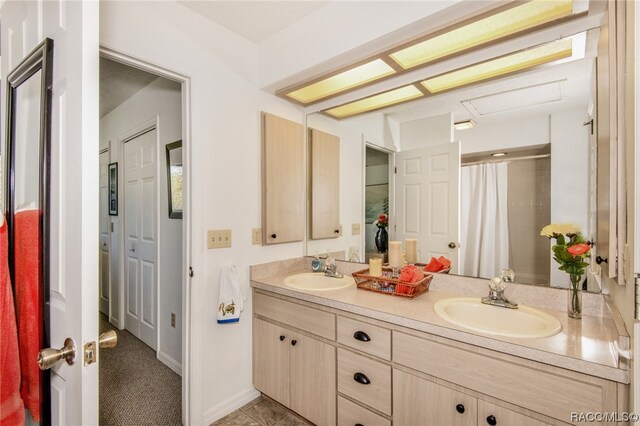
(427, 200)
(73, 26)
(103, 290)
(141, 243)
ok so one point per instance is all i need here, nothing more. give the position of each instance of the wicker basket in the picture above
(387, 285)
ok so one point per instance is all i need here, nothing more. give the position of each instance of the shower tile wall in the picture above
(529, 195)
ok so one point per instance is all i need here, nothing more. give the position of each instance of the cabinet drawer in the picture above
(350, 414)
(503, 416)
(545, 392)
(365, 337)
(377, 392)
(308, 319)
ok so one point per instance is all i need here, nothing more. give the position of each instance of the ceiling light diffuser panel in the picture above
(345, 80)
(381, 100)
(495, 27)
(500, 66)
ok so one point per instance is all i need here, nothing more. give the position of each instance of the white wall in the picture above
(504, 135)
(161, 99)
(426, 132)
(225, 189)
(569, 171)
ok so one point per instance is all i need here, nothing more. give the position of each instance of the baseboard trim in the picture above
(170, 362)
(229, 405)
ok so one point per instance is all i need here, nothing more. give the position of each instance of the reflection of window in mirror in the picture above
(174, 179)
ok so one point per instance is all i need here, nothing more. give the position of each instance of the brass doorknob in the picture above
(108, 339)
(49, 357)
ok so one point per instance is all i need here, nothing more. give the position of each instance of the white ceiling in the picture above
(118, 83)
(254, 20)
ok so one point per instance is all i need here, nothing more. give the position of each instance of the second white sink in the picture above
(523, 322)
(318, 282)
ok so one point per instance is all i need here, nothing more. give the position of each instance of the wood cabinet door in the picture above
(324, 161)
(491, 414)
(313, 380)
(420, 402)
(271, 360)
(283, 196)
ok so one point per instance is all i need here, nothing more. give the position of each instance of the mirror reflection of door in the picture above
(376, 193)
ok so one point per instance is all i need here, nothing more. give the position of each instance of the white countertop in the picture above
(585, 346)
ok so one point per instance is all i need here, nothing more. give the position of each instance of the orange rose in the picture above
(578, 249)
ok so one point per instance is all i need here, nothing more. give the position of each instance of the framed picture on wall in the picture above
(113, 189)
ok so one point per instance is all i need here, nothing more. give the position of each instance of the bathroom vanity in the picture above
(351, 357)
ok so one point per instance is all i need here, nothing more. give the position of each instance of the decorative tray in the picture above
(387, 285)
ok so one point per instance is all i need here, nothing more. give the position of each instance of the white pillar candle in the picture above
(395, 254)
(375, 267)
(410, 250)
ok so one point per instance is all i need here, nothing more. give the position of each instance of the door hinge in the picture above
(395, 170)
(190, 272)
(636, 278)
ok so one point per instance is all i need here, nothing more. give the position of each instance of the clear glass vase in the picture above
(574, 297)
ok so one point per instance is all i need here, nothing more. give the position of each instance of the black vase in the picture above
(382, 239)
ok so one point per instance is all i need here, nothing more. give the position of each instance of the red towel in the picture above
(11, 406)
(28, 250)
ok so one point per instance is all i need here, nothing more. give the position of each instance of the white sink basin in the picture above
(523, 322)
(315, 281)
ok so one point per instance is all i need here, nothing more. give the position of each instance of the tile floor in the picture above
(262, 411)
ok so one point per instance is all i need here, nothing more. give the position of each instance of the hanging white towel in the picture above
(231, 300)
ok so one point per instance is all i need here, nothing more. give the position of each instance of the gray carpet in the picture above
(136, 388)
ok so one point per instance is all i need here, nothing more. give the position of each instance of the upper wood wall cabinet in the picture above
(324, 165)
(282, 180)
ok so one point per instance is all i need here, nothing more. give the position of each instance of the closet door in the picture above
(141, 207)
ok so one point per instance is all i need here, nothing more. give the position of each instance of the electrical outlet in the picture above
(256, 236)
(355, 229)
(173, 320)
(219, 238)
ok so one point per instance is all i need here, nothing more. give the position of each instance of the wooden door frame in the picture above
(187, 216)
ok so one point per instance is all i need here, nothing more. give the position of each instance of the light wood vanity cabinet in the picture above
(289, 365)
(360, 371)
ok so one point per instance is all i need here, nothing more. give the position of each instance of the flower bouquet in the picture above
(570, 250)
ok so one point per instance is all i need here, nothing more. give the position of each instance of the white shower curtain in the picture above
(484, 228)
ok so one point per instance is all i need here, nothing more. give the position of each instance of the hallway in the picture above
(136, 388)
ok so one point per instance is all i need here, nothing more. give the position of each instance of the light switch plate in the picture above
(218, 238)
(256, 236)
(355, 229)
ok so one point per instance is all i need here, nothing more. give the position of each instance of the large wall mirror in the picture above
(28, 116)
(478, 193)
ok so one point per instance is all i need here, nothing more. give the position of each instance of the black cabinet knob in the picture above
(361, 378)
(336, 231)
(492, 420)
(293, 342)
(460, 408)
(273, 236)
(358, 424)
(362, 336)
(282, 338)
(600, 259)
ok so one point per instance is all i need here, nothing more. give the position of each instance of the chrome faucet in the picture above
(331, 268)
(496, 290)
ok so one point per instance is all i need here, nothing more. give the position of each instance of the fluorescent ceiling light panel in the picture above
(497, 67)
(349, 79)
(495, 27)
(464, 125)
(380, 100)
